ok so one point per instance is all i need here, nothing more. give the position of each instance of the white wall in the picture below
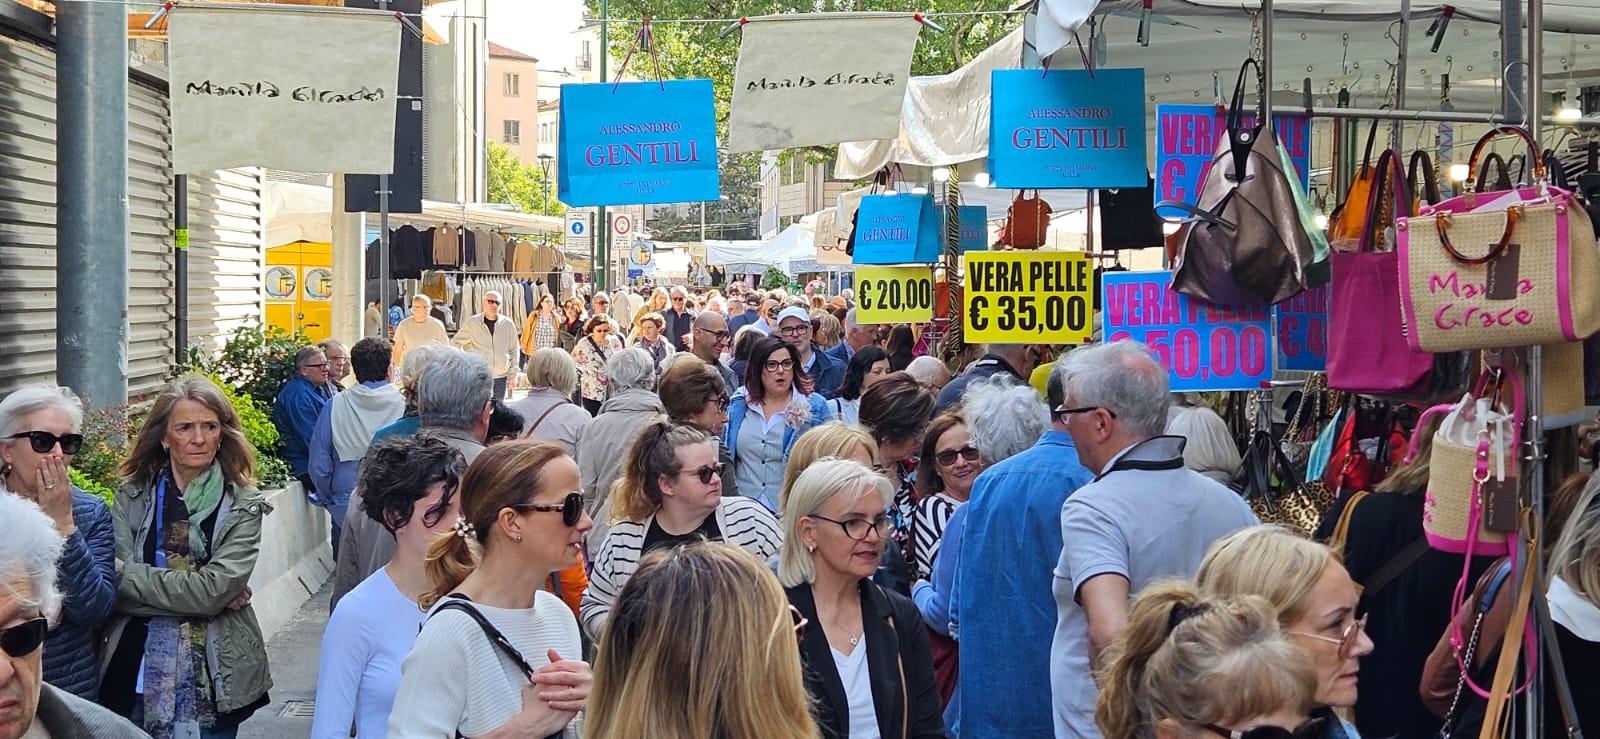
(295, 560)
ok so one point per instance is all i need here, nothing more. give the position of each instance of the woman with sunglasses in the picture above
(1188, 667)
(188, 529)
(670, 493)
(409, 486)
(571, 322)
(865, 651)
(597, 346)
(498, 653)
(867, 366)
(29, 600)
(701, 644)
(946, 469)
(765, 416)
(39, 433)
(1313, 598)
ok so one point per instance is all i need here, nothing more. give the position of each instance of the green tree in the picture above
(519, 183)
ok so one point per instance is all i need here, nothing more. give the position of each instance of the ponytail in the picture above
(1123, 664)
(451, 557)
(636, 495)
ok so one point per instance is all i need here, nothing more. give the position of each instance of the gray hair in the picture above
(417, 359)
(1210, 449)
(928, 370)
(599, 295)
(1123, 377)
(553, 368)
(424, 298)
(26, 400)
(329, 343)
(851, 320)
(678, 290)
(28, 553)
(454, 389)
(631, 369)
(824, 480)
(1004, 417)
(306, 354)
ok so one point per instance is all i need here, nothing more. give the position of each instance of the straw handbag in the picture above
(1471, 504)
(1500, 269)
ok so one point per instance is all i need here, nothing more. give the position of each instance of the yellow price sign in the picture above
(1028, 297)
(894, 294)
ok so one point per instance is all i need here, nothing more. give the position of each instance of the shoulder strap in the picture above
(1397, 564)
(459, 603)
(1341, 531)
(540, 419)
(1558, 669)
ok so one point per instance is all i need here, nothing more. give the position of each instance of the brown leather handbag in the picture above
(1244, 242)
(1349, 219)
(1028, 221)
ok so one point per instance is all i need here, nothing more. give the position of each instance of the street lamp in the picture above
(544, 169)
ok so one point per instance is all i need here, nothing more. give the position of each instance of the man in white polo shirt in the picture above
(1143, 519)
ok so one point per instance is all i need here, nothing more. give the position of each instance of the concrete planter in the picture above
(295, 560)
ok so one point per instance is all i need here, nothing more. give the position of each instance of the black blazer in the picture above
(897, 643)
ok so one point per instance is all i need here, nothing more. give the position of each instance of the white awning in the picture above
(301, 212)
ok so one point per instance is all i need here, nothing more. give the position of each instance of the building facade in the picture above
(511, 92)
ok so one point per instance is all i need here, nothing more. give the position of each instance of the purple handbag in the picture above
(1367, 348)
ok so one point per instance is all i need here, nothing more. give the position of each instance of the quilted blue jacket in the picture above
(87, 577)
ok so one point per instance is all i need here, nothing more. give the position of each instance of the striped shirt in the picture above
(742, 521)
(928, 523)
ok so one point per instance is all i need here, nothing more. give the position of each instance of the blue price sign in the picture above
(1067, 128)
(1186, 142)
(1203, 346)
(1303, 331)
(974, 227)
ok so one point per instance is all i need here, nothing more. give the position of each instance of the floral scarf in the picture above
(178, 702)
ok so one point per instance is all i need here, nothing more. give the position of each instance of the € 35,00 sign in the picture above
(1036, 297)
(894, 294)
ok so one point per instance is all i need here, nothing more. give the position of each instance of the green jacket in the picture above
(235, 650)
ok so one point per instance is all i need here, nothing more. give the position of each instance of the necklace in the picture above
(854, 640)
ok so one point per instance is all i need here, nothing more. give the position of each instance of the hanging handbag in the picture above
(1471, 503)
(1495, 165)
(1367, 348)
(1028, 221)
(1243, 243)
(1349, 466)
(1349, 218)
(1492, 270)
(1423, 181)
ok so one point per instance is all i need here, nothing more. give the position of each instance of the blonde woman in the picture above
(1187, 666)
(521, 520)
(542, 330)
(658, 302)
(1313, 598)
(832, 439)
(868, 666)
(701, 644)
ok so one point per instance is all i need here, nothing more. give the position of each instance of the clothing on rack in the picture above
(446, 250)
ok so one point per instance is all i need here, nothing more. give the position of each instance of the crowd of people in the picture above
(741, 514)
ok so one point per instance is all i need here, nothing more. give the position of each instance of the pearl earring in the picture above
(517, 537)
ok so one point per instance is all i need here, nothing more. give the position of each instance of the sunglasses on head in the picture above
(571, 508)
(44, 441)
(19, 641)
(1308, 730)
(948, 456)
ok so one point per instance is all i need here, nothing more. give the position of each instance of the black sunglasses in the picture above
(707, 473)
(1308, 730)
(19, 641)
(571, 508)
(44, 441)
(948, 456)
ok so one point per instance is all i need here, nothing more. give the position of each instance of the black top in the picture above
(896, 643)
(657, 538)
(1406, 618)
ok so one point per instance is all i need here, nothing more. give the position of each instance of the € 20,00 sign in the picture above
(1016, 297)
(894, 294)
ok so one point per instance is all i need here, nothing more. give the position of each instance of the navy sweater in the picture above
(87, 578)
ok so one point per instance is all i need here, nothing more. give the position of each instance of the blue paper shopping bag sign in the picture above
(1067, 129)
(637, 143)
(897, 229)
(973, 225)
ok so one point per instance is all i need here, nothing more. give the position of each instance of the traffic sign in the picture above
(621, 226)
(579, 234)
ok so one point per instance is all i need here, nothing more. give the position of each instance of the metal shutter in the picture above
(225, 254)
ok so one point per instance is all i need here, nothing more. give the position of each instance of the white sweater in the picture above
(456, 680)
(743, 522)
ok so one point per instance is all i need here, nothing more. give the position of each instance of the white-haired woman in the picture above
(603, 446)
(548, 413)
(1211, 450)
(39, 432)
(866, 652)
(29, 602)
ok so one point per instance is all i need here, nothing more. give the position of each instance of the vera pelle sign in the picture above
(1067, 129)
(637, 143)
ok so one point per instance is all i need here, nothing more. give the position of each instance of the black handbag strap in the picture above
(458, 602)
(1558, 669)
(1397, 564)
(1428, 184)
(1240, 139)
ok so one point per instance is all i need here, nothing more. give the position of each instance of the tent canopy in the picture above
(794, 244)
(301, 212)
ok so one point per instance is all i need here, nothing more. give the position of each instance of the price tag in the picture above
(894, 294)
(1303, 331)
(1028, 297)
(1203, 346)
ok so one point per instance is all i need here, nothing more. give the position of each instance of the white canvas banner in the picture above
(307, 90)
(820, 80)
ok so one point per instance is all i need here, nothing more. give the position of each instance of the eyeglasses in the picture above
(707, 473)
(948, 456)
(19, 641)
(720, 336)
(857, 528)
(1347, 638)
(678, 299)
(44, 441)
(723, 402)
(1308, 730)
(602, 302)
(1085, 409)
(773, 365)
(800, 330)
(491, 302)
(318, 365)
(800, 621)
(571, 508)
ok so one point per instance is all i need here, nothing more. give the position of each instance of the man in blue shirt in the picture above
(794, 327)
(1017, 360)
(1002, 609)
(856, 338)
(296, 408)
(345, 428)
